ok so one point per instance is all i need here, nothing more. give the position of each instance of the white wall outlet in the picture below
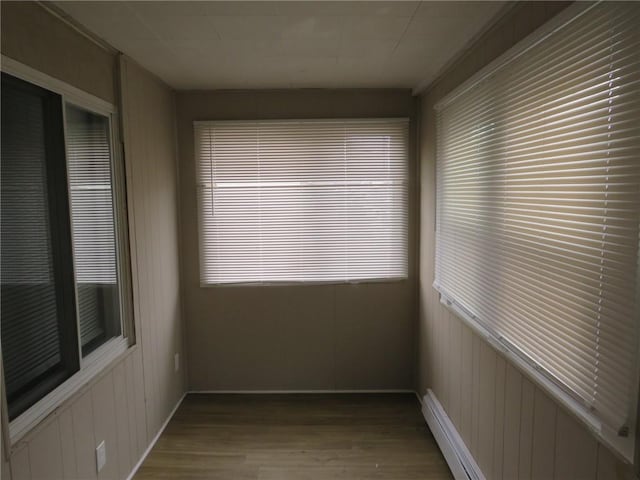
(101, 456)
(176, 362)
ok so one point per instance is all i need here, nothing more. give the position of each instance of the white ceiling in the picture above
(287, 44)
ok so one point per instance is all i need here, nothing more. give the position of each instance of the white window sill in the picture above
(92, 365)
(622, 447)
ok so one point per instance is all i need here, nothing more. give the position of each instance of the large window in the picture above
(538, 180)
(93, 226)
(302, 201)
(60, 282)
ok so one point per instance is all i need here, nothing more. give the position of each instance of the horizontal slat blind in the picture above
(538, 206)
(89, 165)
(94, 247)
(30, 305)
(302, 201)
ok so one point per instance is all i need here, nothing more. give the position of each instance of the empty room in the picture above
(320, 240)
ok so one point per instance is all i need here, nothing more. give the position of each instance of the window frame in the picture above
(408, 184)
(99, 359)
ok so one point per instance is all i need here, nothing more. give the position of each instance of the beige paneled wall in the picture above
(31, 35)
(292, 337)
(150, 153)
(512, 428)
(128, 402)
(110, 408)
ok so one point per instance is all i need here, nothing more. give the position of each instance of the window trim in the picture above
(98, 360)
(95, 362)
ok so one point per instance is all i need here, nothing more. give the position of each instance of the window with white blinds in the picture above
(61, 314)
(33, 336)
(538, 208)
(302, 201)
(92, 217)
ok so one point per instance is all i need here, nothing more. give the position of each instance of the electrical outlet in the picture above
(101, 456)
(176, 362)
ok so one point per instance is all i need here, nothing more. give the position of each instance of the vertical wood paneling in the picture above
(439, 356)
(444, 347)
(498, 438)
(123, 442)
(137, 144)
(134, 372)
(150, 147)
(609, 468)
(475, 398)
(512, 416)
(82, 416)
(132, 421)
(544, 435)
(140, 402)
(68, 444)
(526, 429)
(20, 468)
(45, 453)
(486, 409)
(466, 381)
(425, 355)
(455, 385)
(576, 454)
(104, 422)
(6, 469)
(431, 326)
(150, 164)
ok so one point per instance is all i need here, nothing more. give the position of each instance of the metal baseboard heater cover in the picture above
(462, 464)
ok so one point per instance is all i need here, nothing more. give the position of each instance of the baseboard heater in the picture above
(460, 461)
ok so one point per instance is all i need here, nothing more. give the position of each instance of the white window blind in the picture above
(29, 287)
(89, 171)
(538, 208)
(302, 201)
(89, 162)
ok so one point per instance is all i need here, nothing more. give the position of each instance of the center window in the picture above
(302, 200)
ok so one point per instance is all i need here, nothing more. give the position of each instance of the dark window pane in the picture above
(35, 337)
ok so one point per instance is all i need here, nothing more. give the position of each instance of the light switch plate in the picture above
(176, 362)
(101, 456)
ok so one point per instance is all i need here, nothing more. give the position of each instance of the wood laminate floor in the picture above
(301, 437)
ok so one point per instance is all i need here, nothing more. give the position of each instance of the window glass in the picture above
(94, 244)
(36, 309)
(60, 285)
(302, 201)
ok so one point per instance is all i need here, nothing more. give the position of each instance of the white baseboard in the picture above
(460, 461)
(155, 439)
